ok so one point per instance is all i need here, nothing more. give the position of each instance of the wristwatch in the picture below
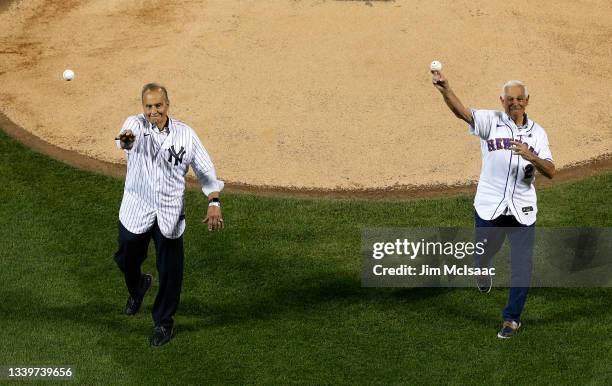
(214, 202)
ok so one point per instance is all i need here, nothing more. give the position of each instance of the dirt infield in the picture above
(309, 97)
(570, 173)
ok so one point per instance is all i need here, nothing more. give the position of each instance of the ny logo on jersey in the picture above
(178, 157)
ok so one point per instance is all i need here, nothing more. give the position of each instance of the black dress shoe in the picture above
(133, 304)
(161, 336)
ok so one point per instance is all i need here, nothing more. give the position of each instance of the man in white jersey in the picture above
(159, 152)
(513, 147)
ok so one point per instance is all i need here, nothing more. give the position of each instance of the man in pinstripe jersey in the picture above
(159, 152)
(513, 147)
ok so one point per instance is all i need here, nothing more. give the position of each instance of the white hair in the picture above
(512, 83)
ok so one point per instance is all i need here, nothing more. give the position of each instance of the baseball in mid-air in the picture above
(68, 75)
(436, 66)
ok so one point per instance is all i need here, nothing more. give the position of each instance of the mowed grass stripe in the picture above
(276, 297)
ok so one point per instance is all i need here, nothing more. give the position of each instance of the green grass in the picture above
(276, 297)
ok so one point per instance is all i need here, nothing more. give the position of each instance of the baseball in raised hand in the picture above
(439, 81)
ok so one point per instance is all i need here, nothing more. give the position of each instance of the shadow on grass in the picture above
(568, 305)
(95, 312)
(572, 304)
(280, 301)
(338, 289)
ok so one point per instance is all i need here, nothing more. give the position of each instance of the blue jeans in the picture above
(521, 239)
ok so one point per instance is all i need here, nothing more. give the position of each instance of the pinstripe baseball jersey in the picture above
(506, 183)
(157, 164)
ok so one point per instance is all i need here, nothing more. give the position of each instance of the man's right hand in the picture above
(439, 81)
(453, 103)
(127, 138)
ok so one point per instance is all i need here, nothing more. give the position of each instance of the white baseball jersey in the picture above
(506, 184)
(157, 164)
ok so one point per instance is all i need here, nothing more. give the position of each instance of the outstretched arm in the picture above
(126, 139)
(453, 103)
(128, 133)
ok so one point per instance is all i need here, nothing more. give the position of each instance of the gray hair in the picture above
(512, 83)
(154, 87)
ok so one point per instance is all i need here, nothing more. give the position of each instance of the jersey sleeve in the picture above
(544, 148)
(203, 167)
(483, 120)
(131, 123)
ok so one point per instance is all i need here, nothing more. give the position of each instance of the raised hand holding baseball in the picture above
(438, 80)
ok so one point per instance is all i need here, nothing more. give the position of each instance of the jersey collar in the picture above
(166, 128)
(526, 121)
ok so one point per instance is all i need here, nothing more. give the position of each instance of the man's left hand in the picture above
(214, 218)
(522, 149)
